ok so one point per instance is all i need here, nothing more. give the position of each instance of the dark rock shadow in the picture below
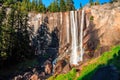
(46, 44)
(92, 41)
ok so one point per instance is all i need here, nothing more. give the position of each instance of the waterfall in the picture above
(81, 36)
(74, 56)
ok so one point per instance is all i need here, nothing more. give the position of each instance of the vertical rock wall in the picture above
(101, 29)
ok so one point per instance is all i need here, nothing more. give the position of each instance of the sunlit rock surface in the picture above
(101, 29)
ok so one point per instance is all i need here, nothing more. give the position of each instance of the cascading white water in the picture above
(81, 36)
(74, 56)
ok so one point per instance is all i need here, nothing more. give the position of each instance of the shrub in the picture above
(91, 18)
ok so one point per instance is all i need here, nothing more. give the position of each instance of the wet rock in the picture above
(27, 75)
(59, 66)
(19, 77)
(34, 70)
(66, 69)
(48, 68)
(101, 50)
(42, 74)
(34, 77)
(101, 27)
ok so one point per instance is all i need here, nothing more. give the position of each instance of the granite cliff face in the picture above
(101, 29)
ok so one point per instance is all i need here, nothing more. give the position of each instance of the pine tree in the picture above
(97, 2)
(57, 8)
(3, 43)
(111, 1)
(33, 5)
(62, 6)
(80, 5)
(54, 6)
(40, 2)
(41, 8)
(11, 25)
(91, 2)
(70, 5)
(5, 33)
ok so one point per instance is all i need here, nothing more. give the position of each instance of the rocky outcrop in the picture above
(34, 77)
(101, 28)
(48, 68)
(101, 31)
(59, 67)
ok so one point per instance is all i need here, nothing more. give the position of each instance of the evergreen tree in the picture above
(21, 36)
(1, 1)
(97, 2)
(70, 5)
(80, 5)
(41, 7)
(54, 6)
(40, 2)
(11, 1)
(11, 23)
(33, 5)
(14, 35)
(62, 6)
(111, 1)
(91, 2)
(3, 35)
(57, 8)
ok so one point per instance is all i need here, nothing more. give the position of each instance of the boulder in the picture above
(34, 77)
(66, 69)
(59, 66)
(19, 77)
(27, 75)
(48, 68)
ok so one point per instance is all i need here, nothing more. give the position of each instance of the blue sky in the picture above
(76, 2)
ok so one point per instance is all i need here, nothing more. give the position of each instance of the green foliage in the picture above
(70, 5)
(41, 8)
(91, 2)
(4, 37)
(107, 58)
(20, 67)
(97, 2)
(14, 35)
(91, 18)
(54, 6)
(62, 6)
(81, 6)
(111, 1)
(38, 6)
(69, 76)
(26, 5)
